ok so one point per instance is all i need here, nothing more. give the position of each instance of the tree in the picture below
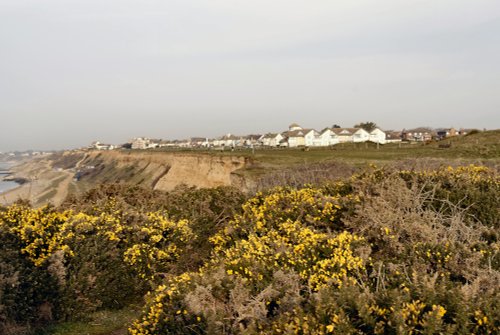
(336, 126)
(368, 126)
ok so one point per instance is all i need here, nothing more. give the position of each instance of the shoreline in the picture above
(37, 182)
(7, 195)
(6, 176)
(13, 173)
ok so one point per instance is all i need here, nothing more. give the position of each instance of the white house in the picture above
(360, 135)
(344, 134)
(101, 146)
(312, 138)
(141, 143)
(377, 136)
(328, 137)
(230, 140)
(295, 138)
(271, 140)
(351, 135)
(253, 140)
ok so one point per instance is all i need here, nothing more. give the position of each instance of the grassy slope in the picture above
(100, 323)
(484, 146)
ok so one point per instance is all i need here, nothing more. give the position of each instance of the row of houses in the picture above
(424, 134)
(295, 136)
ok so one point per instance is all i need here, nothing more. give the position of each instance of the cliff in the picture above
(50, 179)
(161, 170)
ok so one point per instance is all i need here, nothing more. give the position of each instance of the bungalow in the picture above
(343, 134)
(295, 138)
(360, 135)
(252, 140)
(328, 137)
(351, 134)
(271, 139)
(101, 146)
(312, 138)
(421, 134)
(393, 136)
(377, 136)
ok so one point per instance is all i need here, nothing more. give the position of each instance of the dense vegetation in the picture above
(385, 251)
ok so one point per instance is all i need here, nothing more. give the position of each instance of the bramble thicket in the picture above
(386, 251)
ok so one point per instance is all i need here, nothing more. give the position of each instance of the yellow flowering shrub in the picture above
(37, 230)
(380, 253)
(286, 230)
(264, 212)
(318, 258)
(158, 244)
(164, 309)
(92, 261)
(290, 230)
(386, 251)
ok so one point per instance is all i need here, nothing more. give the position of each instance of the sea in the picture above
(6, 185)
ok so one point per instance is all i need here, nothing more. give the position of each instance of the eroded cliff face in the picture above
(161, 170)
(52, 178)
(200, 171)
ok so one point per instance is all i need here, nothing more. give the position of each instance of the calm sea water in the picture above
(6, 185)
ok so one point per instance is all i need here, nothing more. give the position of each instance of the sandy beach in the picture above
(44, 183)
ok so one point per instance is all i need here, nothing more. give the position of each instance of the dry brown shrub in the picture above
(298, 176)
(241, 310)
(398, 220)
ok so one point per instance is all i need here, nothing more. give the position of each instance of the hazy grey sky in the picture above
(74, 71)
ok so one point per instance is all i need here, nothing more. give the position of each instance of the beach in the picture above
(43, 183)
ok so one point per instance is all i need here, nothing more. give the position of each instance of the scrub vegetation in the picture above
(387, 250)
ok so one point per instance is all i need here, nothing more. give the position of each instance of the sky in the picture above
(76, 71)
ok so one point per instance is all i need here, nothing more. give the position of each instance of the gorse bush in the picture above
(87, 262)
(387, 251)
(206, 210)
(400, 252)
(103, 251)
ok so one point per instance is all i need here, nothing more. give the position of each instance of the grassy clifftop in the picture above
(51, 179)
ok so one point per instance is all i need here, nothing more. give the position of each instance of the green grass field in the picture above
(481, 147)
(484, 145)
